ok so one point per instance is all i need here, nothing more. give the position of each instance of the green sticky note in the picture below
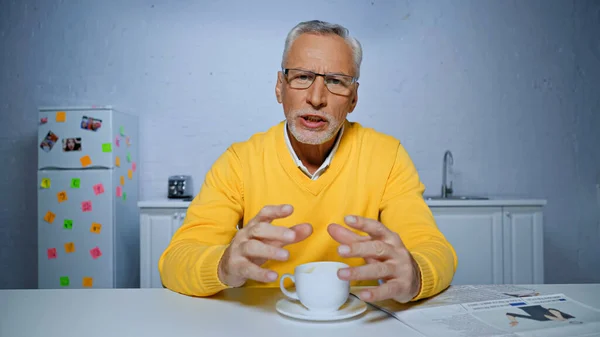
(128, 158)
(68, 224)
(64, 281)
(75, 182)
(124, 196)
(107, 147)
(122, 131)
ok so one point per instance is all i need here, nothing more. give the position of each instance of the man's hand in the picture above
(386, 256)
(258, 242)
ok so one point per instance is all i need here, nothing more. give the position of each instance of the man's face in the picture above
(315, 115)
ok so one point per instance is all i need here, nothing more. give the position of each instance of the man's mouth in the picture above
(314, 118)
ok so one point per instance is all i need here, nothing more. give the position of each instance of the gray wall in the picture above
(511, 87)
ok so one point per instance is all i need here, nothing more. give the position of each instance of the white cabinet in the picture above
(497, 241)
(157, 226)
(476, 235)
(495, 245)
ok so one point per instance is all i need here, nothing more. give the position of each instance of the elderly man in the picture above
(314, 187)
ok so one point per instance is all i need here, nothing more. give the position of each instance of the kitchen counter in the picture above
(492, 202)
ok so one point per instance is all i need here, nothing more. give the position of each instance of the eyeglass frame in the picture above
(285, 71)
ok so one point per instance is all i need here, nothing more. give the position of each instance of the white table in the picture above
(163, 313)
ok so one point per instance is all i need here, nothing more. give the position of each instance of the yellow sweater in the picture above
(370, 175)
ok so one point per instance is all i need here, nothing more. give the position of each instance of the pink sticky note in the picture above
(51, 253)
(95, 253)
(98, 189)
(117, 141)
(119, 191)
(86, 206)
(133, 166)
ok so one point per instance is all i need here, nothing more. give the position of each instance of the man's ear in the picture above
(354, 99)
(279, 86)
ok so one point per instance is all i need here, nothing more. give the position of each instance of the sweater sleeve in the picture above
(404, 211)
(189, 264)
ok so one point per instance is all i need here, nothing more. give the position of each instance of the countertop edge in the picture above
(432, 203)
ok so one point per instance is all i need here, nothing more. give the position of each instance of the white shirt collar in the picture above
(325, 164)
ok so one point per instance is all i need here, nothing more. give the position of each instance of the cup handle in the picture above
(290, 294)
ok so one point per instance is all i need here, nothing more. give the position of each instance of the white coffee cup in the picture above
(318, 287)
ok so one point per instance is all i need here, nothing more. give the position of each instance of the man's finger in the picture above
(267, 231)
(251, 271)
(374, 228)
(345, 236)
(258, 249)
(384, 291)
(374, 249)
(368, 272)
(303, 231)
(272, 212)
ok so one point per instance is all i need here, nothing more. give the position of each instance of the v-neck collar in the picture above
(289, 165)
(319, 172)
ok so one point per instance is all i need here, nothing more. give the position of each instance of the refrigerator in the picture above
(88, 220)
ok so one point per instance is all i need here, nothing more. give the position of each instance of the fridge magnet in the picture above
(118, 161)
(128, 158)
(45, 183)
(75, 182)
(51, 253)
(68, 224)
(49, 217)
(88, 282)
(69, 247)
(98, 189)
(48, 143)
(71, 144)
(61, 117)
(124, 196)
(85, 161)
(95, 228)
(122, 180)
(117, 141)
(107, 147)
(133, 166)
(119, 191)
(130, 174)
(95, 253)
(89, 123)
(127, 141)
(61, 196)
(86, 206)
(122, 131)
(64, 281)
(43, 120)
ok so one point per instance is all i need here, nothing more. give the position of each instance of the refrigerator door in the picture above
(75, 138)
(75, 229)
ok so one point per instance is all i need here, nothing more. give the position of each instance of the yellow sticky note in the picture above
(69, 247)
(118, 161)
(62, 196)
(122, 180)
(85, 161)
(61, 116)
(95, 228)
(45, 183)
(88, 282)
(130, 174)
(49, 217)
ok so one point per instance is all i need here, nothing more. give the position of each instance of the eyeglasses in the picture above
(338, 84)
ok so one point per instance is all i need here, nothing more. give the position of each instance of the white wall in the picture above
(512, 88)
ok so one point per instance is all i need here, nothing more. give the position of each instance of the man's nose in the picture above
(317, 93)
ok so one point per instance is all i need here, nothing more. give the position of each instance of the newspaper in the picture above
(497, 310)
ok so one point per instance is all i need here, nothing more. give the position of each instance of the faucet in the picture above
(447, 190)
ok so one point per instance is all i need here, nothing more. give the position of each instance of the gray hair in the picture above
(324, 28)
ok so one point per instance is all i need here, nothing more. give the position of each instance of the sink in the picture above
(456, 197)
